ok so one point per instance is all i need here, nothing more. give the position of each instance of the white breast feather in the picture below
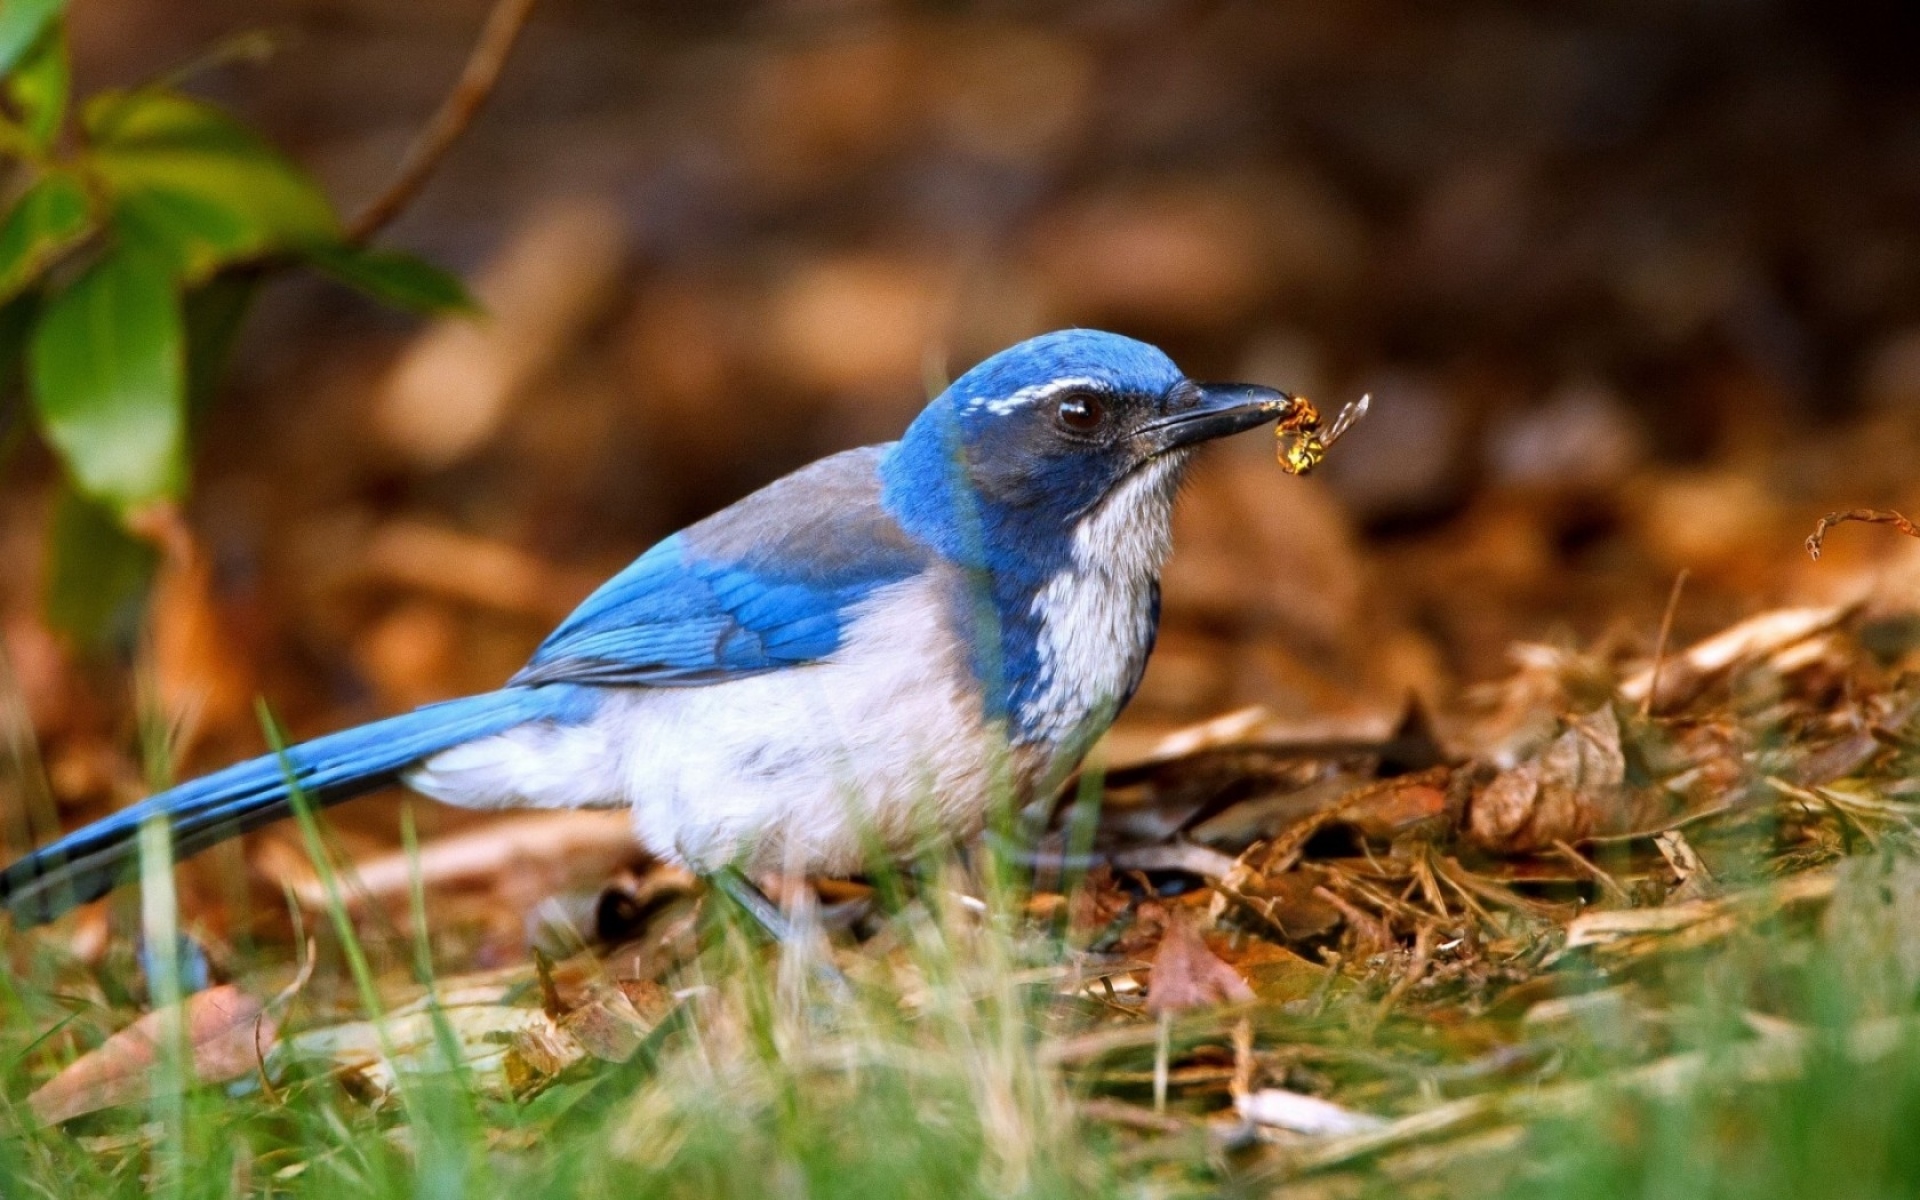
(1096, 615)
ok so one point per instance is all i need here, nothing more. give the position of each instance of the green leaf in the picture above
(106, 367)
(191, 235)
(21, 24)
(50, 218)
(97, 573)
(395, 278)
(39, 87)
(178, 162)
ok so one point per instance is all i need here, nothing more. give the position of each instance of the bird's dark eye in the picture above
(1082, 412)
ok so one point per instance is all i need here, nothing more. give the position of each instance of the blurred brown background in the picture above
(1635, 285)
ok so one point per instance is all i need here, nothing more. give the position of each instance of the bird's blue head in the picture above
(1049, 472)
(1025, 449)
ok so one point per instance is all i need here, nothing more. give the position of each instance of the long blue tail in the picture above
(90, 862)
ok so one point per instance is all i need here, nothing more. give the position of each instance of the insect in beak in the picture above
(1300, 444)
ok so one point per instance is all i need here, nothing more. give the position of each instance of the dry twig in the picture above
(1870, 516)
(455, 113)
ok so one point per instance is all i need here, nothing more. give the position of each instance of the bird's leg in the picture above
(743, 892)
(735, 886)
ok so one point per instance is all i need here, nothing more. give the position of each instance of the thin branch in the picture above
(1872, 516)
(456, 112)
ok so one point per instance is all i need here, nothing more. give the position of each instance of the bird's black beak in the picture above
(1223, 409)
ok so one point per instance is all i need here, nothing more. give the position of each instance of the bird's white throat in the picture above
(1096, 615)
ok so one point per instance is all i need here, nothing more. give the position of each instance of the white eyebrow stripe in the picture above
(1039, 391)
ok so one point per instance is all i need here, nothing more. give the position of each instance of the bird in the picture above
(862, 657)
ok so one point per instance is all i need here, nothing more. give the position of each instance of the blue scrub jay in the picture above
(856, 657)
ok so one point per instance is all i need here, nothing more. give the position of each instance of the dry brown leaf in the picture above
(649, 997)
(1683, 676)
(1276, 974)
(1096, 903)
(226, 1031)
(1384, 810)
(204, 677)
(1293, 903)
(1287, 903)
(536, 1054)
(607, 1025)
(1572, 790)
(1186, 974)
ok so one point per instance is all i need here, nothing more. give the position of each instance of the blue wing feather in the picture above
(762, 585)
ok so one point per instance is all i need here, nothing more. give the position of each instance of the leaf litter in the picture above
(1458, 929)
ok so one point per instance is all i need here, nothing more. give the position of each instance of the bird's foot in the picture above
(757, 905)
